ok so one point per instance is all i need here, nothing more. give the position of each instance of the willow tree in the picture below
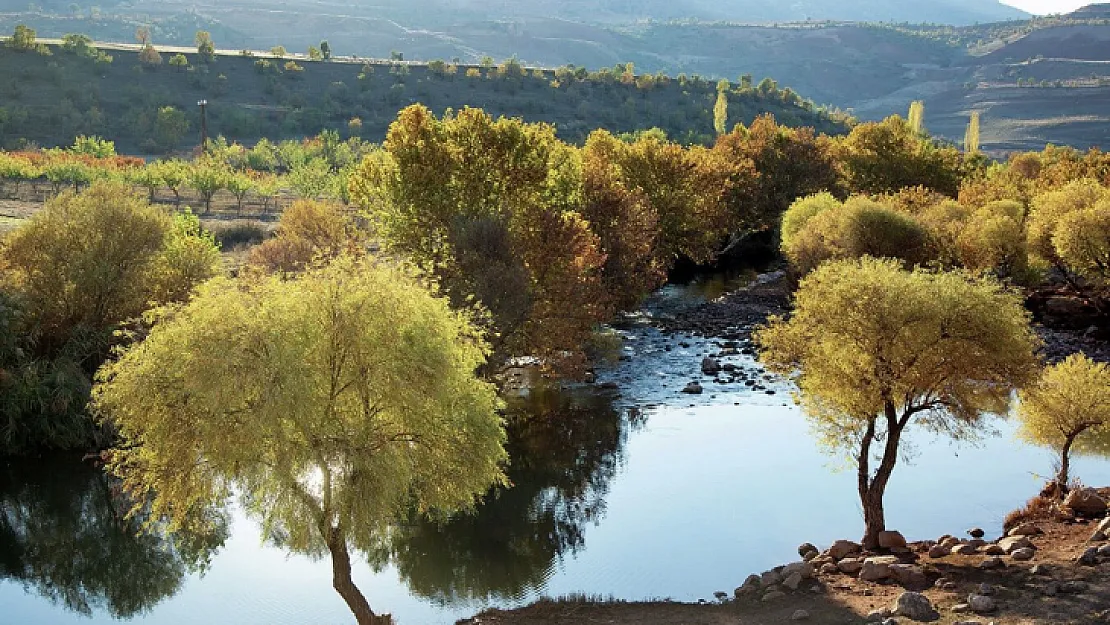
(1068, 408)
(332, 403)
(874, 349)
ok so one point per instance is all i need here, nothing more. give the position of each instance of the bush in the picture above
(239, 234)
(859, 227)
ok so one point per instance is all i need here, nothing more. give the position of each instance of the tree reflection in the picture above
(63, 535)
(564, 449)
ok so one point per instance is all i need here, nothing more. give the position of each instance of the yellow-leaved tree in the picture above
(875, 348)
(331, 403)
(1068, 409)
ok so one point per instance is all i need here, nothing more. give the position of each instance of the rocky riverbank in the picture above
(1050, 571)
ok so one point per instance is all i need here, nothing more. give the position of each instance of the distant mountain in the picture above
(955, 12)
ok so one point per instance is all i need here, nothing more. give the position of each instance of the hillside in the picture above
(51, 99)
(872, 69)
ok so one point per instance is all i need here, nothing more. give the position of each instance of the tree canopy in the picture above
(874, 348)
(332, 402)
(1068, 409)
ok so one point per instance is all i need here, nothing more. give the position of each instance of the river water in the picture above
(635, 493)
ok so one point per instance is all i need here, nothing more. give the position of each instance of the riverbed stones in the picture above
(693, 388)
(891, 540)
(843, 548)
(1023, 555)
(877, 568)
(915, 606)
(1085, 501)
(710, 366)
(1025, 529)
(1073, 587)
(909, 575)
(1012, 543)
(850, 566)
(980, 604)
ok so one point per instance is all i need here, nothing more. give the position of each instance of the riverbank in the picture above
(1055, 586)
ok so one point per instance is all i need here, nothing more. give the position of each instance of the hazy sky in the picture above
(1041, 7)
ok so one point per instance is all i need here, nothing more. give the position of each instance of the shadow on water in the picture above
(63, 535)
(565, 449)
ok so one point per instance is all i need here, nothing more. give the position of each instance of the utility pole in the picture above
(203, 104)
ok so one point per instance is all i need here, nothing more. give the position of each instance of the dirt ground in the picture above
(1020, 594)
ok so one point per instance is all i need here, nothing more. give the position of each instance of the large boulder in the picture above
(770, 578)
(850, 566)
(915, 606)
(892, 540)
(792, 581)
(693, 388)
(909, 576)
(1025, 529)
(1022, 555)
(805, 548)
(877, 568)
(980, 604)
(843, 548)
(1010, 544)
(1085, 501)
(710, 366)
(804, 569)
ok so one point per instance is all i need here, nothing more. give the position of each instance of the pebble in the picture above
(799, 615)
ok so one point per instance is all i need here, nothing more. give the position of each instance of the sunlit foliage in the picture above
(1068, 409)
(331, 402)
(875, 348)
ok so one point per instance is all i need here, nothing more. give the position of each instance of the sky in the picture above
(1041, 7)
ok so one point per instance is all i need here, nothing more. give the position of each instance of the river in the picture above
(635, 493)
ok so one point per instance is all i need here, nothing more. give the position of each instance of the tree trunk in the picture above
(345, 586)
(872, 489)
(1065, 464)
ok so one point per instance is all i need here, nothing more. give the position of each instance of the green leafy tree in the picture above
(332, 402)
(180, 61)
(172, 173)
(278, 51)
(938, 349)
(93, 146)
(87, 259)
(208, 178)
(314, 54)
(239, 185)
(22, 39)
(170, 126)
(916, 118)
(720, 113)
(206, 49)
(149, 58)
(1068, 409)
(971, 137)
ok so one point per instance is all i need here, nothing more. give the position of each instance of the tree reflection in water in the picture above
(565, 448)
(63, 535)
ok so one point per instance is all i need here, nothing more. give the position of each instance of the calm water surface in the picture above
(639, 494)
